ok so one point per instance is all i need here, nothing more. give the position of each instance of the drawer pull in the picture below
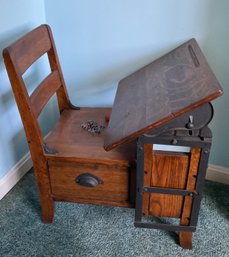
(88, 180)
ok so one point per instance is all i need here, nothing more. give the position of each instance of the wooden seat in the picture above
(73, 143)
(71, 164)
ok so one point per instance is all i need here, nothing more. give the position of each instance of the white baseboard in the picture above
(15, 174)
(218, 174)
(214, 173)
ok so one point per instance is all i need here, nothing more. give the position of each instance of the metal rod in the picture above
(180, 141)
(173, 191)
(204, 144)
(139, 180)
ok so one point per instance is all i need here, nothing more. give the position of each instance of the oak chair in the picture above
(70, 163)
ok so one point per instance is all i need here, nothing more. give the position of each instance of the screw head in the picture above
(190, 125)
(140, 148)
(174, 142)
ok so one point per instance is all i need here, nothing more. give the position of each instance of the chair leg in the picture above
(45, 194)
(185, 239)
(47, 210)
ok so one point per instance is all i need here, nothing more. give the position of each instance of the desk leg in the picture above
(186, 237)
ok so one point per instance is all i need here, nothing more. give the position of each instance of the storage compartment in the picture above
(93, 183)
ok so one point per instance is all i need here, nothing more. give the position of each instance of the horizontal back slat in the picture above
(44, 92)
(29, 48)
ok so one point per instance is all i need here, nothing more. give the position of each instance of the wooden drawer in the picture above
(114, 186)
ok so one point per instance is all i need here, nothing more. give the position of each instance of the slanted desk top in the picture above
(174, 84)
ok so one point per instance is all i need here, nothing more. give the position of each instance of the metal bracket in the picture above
(72, 106)
(196, 194)
(173, 191)
(188, 124)
(49, 150)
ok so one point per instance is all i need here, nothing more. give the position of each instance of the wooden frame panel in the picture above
(25, 51)
(168, 170)
(44, 92)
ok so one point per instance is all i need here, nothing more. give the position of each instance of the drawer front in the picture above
(113, 182)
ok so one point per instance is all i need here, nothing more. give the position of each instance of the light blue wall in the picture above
(16, 18)
(216, 48)
(102, 41)
(99, 42)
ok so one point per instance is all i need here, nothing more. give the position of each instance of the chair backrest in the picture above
(18, 57)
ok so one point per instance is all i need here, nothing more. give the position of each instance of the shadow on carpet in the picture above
(90, 230)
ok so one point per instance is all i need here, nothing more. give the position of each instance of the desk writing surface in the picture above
(166, 88)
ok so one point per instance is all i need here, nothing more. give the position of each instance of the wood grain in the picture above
(186, 237)
(176, 83)
(62, 94)
(115, 186)
(44, 92)
(74, 143)
(169, 170)
(28, 49)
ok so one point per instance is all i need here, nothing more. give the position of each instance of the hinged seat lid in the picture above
(172, 85)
